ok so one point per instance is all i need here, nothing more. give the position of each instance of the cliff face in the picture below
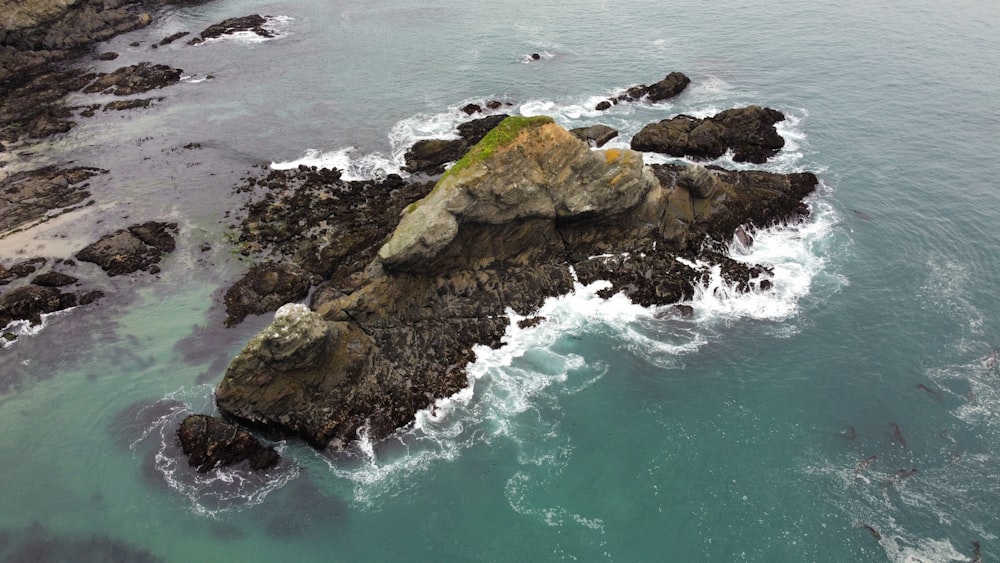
(499, 231)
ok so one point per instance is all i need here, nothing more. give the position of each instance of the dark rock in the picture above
(749, 132)
(391, 332)
(636, 92)
(28, 197)
(30, 302)
(20, 270)
(121, 105)
(171, 38)
(601, 106)
(470, 109)
(595, 135)
(91, 296)
(264, 288)
(210, 442)
(535, 56)
(494, 104)
(108, 56)
(53, 279)
(129, 250)
(253, 23)
(429, 156)
(530, 322)
(673, 84)
(135, 79)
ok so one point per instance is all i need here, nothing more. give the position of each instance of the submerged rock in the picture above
(497, 232)
(211, 442)
(749, 132)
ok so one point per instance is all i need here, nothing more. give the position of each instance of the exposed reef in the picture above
(209, 442)
(527, 212)
(749, 132)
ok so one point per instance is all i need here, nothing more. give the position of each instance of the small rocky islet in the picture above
(410, 276)
(406, 275)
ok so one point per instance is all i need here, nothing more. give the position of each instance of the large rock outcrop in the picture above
(499, 231)
(749, 132)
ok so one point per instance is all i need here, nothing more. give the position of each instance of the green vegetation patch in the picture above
(499, 136)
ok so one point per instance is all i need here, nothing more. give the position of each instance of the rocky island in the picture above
(527, 212)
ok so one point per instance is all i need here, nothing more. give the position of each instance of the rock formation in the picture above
(749, 132)
(210, 442)
(138, 247)
(503, 229)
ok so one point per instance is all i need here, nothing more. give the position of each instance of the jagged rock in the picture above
(595, 135)
(497, 232)
(264, 288)
(673, 84)
(129, 250)
(135, 79)
(253, 23)
(30, 302)
(470, 109)
(749, 132)
(211, 442)
(27, 197)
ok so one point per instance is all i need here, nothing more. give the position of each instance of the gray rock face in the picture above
(497, 232)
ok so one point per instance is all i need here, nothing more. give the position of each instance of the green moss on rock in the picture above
(501, 135)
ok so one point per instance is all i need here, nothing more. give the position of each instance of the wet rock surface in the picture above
(749, 132)
(28, 197)
(211, 442)
(671, 85)
(139, 247)
(135, 79)
(393, 329)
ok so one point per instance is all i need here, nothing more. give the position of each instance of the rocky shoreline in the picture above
(39, 45)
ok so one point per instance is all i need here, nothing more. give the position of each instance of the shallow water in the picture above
(605, 433)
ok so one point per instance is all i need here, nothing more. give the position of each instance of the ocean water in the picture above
(606, 433)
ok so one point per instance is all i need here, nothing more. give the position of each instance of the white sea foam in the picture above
(510, 380)
(220, 490)
(365, 167)
(22, 328)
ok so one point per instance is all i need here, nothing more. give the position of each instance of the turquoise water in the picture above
(606, 433)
